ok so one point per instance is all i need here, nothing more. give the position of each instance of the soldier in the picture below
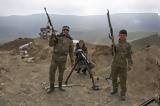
(80, 66)
(122, 62)
(63, 45)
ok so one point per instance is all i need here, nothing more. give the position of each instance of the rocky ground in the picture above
(21, 82)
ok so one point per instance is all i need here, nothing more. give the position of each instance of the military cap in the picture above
(65, 28)
(123, 31)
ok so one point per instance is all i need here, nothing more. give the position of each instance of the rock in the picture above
(24, 54)
(30, 60)
(26, 46)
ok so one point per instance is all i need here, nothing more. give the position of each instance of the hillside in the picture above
(146, 42)
(21, 82)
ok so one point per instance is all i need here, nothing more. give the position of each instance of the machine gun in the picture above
(82, 58)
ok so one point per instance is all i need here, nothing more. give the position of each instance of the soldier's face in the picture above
(122, 37)
(81, 44)
(66, 32)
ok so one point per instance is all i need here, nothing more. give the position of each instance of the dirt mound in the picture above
(102, 57)
(101, 50)
(145, 76)
(15, 44)
(39, 51)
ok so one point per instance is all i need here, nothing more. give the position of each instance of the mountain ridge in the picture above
(15, 26)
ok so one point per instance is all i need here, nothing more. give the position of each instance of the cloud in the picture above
(77, 7)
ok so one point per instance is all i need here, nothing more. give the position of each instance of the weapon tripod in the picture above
(86, 63)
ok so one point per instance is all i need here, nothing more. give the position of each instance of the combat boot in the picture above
(51, 88)
(60, 87)
(114, 91)
(91, 65)
(78, 70)
(84, 71)
(123, 98)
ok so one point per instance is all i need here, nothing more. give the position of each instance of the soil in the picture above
(21, 82)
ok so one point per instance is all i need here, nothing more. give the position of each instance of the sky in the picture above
(78, 7)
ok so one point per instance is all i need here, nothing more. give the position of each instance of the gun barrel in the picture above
(49, 20)
(148, 102)
(111, 33)
(109, 22)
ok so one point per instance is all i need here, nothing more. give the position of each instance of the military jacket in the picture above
(62, 46)
(123, 54)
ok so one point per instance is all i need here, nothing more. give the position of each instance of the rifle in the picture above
(149, 101)
(112, 38)
(111, 33)
(50, 23)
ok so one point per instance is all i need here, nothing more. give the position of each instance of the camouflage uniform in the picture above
(63, 45)
(120, 64)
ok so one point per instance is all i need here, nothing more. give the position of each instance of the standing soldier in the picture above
(121, 63)
(63, 45)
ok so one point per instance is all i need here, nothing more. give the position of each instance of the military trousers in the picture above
(121, 72)
(60, 65)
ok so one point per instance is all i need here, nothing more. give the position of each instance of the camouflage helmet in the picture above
(65, 28)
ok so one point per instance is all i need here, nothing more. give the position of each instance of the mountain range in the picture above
(82, 27)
